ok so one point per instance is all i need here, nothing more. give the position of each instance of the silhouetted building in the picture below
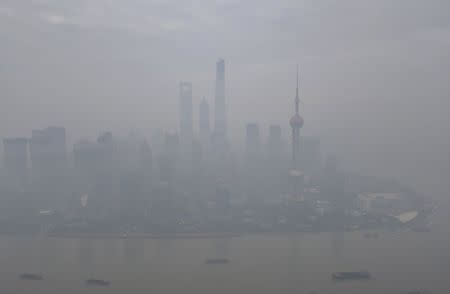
(310, 156)
(186, 121)
(220, 207)
(49, 166)
(382, 203)
(295, 174)
(296, 123)
(274, 144)
(252, 141)
(204, 126)
(96, 177)
(134, 203)
(172, 144)
(94, 157)
(15, 156)
(220, 127)
(48, 150)
(146, 170)
(168, 158)
(334, 185)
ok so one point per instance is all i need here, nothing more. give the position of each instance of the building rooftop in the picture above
(407, 216)
(385, 196)
(295, 173)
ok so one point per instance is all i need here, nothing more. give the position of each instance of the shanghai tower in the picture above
(220, 124)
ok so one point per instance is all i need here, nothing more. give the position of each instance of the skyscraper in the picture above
(274, 144)
(186, 121)
(252, 140)
(296, 176)
(310, 156)
(171, 144)
(49, 166)
(296, 123)
(96, 175)
(220, 127)
(204, 127)
(15, 158)
(168, 158)
(48, 150)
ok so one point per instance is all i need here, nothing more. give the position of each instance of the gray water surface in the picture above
(271, 263)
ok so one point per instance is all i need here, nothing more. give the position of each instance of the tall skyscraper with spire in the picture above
(220, 119)
(296, 176)
(296, 123)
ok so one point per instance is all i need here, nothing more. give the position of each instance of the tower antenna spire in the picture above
(297, 99)
(296, 123)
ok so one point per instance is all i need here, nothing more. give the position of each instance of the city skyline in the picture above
(193, 118)
(205, 132)
(385, 59)
(224, 146)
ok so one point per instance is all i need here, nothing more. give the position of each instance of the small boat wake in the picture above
(351, 276)
(30, 277)
(217, 261)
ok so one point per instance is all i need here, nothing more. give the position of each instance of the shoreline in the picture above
(211, 235)
(144, 235)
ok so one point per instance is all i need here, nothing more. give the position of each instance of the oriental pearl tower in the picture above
(296, 123)
(295, 175)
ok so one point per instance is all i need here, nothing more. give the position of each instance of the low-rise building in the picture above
(382, 203)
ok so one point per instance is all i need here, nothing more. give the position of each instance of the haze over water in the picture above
(272, 263)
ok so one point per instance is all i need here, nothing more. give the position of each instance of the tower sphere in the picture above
(296, 121)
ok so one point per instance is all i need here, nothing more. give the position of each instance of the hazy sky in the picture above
(374, 74)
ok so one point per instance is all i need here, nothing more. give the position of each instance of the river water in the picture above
(266, 263)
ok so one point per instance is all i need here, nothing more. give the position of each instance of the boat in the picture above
(97, 282)
(217, 261)
(30, 277)
(344, 276)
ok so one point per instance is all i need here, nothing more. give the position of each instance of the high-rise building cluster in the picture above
(211, 137)
(176, 180)
(177, 173)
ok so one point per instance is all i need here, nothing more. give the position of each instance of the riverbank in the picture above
(143, 235)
